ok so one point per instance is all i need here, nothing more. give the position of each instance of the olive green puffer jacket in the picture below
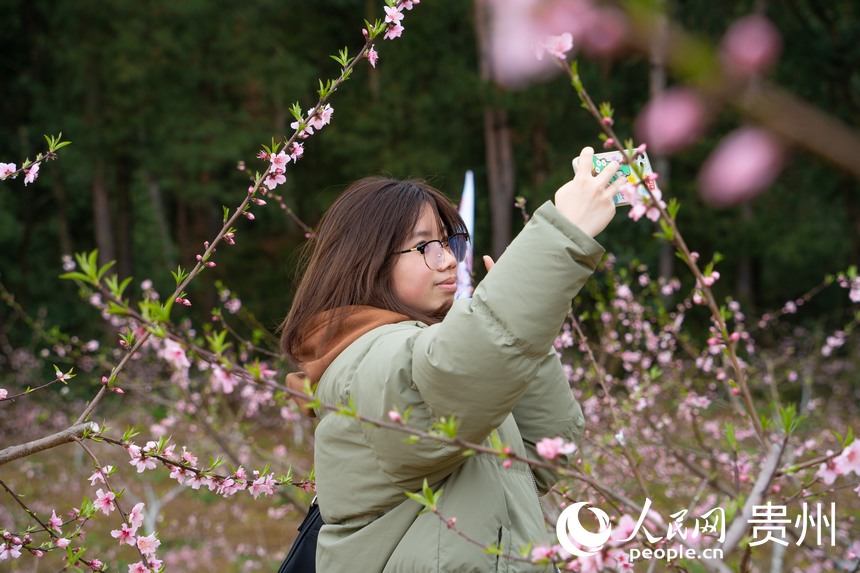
(489, 364)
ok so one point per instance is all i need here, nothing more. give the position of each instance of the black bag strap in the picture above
(302, 555)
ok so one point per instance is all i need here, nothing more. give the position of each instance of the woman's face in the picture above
(415, 284)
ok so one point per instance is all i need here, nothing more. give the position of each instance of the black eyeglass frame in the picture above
(444, 243)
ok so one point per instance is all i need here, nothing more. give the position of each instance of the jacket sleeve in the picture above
(476, 365)
(547, 410)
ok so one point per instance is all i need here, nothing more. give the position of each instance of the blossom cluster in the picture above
(8, 170)
(848, 461)
(183, 470)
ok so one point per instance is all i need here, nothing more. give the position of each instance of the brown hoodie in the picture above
(327, 336)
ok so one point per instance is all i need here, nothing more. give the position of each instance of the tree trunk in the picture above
(101, 213)
(156, 199)
(497, 143)
(124, 221)
(61, 196)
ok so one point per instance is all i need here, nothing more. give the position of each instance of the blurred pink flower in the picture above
(7, 169)
(31, 174)
(744, 164)
(518, 29)
(849, 459)
(828, 471)
(672, 120)
(750, 46)
(557, 46)
(605, 32)
(551, 448)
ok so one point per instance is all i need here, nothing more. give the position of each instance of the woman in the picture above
(374, 323)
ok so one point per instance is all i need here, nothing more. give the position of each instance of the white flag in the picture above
(467, 212)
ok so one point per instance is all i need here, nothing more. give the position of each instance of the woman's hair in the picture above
(350, 258)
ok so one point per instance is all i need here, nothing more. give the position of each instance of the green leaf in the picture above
(75, 276)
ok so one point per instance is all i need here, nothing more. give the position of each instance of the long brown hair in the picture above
(350, 258)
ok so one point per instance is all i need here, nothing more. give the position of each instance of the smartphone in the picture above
(601, 160)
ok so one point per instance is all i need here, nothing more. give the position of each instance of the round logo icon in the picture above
(568, 527)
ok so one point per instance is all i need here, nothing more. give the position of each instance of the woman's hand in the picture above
(586, 200)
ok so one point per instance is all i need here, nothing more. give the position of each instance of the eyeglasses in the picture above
(434, 251)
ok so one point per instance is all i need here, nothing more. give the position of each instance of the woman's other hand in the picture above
(586, 200)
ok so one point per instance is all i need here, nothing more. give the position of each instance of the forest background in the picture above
(163, 100)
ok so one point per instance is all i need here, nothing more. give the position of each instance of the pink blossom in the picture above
(409, 3)
(229, 238)
(541, 552)
(279, 161)
(195, 481)
(395, 416)
(710, 279)
(62, 542)
(124, 535)
(393, 15)
(744, 164)
(135, 516)
(604, 32)
(138, 567)
(557, 46)
(672, 120)
(273, 179)
(551, 448)
(849, 459)
(140, 460)
(518, 30)
(304, 133)
(12, 550)
(188, 457)
(393, 31)
(3, 393)
(750, 46)
(262, 485)
(148, 544)
(372, 56)
(174, 354)
(828, 471)
(297, 150)
(104, 501)
(321, 117)
(643, 205)
(31, 174)
(178, 473)
(7, 169)
(55, 522)
(222, 381)
(233, 305)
